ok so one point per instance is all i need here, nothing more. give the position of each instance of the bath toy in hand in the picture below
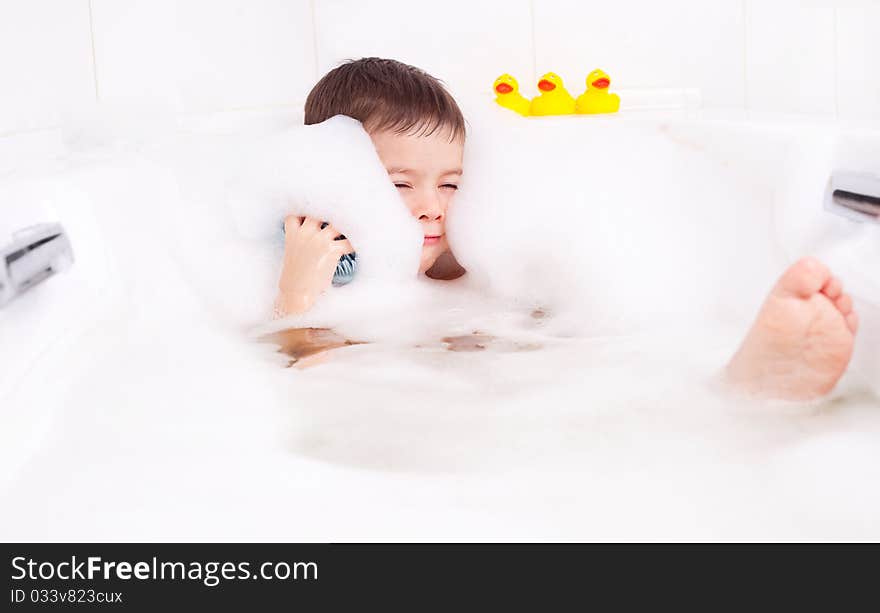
(345, 268)
(553, 99)
(507, 95)
(596, 98)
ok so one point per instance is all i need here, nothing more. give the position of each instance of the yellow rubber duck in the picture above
(553, 99)
(507, 95)
(596, 98)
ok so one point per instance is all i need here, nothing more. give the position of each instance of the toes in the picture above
(804, 278)
(852, 321)
(833, 288)
(844, 304)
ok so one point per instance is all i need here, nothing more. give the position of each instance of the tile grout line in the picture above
(534, 47)
(313, 11)
(27, 131)
(745, 9)
(94, 56)
(836, 66)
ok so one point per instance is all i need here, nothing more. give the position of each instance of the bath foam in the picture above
(329, 171)
(607, 228)
(613, 225)
(600, 438)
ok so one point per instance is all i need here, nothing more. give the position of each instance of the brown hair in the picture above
(386, 95)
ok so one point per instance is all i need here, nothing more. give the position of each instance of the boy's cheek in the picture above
(407, 200)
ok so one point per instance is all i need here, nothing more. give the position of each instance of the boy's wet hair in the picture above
(386, 95)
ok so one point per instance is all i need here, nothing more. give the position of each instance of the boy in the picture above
(798, 347)
(418, 131)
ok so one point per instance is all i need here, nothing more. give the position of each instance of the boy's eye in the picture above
(450, 185)
(399, 185)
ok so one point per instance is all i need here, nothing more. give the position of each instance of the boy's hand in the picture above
(310, 258)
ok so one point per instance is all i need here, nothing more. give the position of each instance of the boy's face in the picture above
(426, 171)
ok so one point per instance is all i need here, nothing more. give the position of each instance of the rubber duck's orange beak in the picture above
(546, 86)
(503, 88)
(602, 83)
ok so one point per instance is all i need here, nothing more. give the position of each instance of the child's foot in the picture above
(802, 340)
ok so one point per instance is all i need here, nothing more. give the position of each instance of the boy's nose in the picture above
(430, 211)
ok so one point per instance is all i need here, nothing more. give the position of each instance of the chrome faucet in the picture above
(855, 195)
(35, 254)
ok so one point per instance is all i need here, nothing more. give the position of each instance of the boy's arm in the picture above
(310, 258)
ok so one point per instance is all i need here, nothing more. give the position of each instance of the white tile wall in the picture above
(134, 49)
(858, 59)
(790, 63)
(45, 62)
(668, 44)
(204, 55)
(465, 43)
(819, 57)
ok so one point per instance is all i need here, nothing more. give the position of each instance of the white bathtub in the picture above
(133, 407)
